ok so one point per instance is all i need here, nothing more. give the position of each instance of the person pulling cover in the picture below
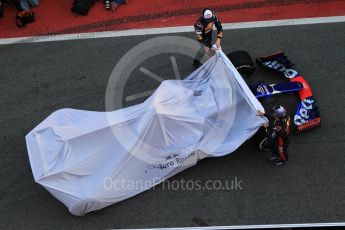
(203, 30)
(278, 130)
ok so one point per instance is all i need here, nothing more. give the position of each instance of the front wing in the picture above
(307, 115)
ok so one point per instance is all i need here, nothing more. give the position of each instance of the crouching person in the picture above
(278, 130)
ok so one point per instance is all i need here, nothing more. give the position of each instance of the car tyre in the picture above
(242, 62)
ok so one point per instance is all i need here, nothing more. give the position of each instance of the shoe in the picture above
(277, 162)
(273, 158)
(24, 17)
(196, 64)
(107, 4)
(19, 22)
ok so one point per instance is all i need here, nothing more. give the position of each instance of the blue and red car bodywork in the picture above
(307, 115)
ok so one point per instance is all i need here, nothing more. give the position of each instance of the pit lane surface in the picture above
(37, 79)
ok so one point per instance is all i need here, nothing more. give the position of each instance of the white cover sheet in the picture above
(89, 160)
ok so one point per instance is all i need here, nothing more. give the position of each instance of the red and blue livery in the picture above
(307, 115)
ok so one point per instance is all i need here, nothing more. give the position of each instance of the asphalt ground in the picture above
(39, 78)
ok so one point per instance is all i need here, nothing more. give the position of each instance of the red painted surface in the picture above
(310, 124)
(306, 91)
(55, 17)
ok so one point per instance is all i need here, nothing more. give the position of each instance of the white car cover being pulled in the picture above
(89, 160)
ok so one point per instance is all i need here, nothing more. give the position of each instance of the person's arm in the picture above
(288, 123)
(219, 27)
(199, 31)
(261, 114)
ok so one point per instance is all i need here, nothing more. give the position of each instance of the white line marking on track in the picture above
(268, 226)
(169, 30)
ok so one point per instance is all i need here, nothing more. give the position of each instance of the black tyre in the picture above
(242, 61)
(259, 136)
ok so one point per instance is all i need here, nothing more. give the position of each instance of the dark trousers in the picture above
(274, 144)
(201, 52)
